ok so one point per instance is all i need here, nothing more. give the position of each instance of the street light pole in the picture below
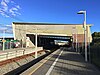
(4, 40)
(85, 39)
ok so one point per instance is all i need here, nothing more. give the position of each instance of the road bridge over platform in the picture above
(50, 31)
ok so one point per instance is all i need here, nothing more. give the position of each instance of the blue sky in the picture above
(52, 11)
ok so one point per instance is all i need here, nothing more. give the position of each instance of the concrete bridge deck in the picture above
(63, 62)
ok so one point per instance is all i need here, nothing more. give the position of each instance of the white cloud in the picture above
(3, 3)
(7, 1)
(17, 6)
(17, 13)
(13, 14)
(5, 9)
(9, 8)
(3, 14)
(13, 11)
(12, 2)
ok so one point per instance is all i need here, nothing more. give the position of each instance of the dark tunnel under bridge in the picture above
(48, 41)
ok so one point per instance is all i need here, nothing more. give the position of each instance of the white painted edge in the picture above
(51, 68)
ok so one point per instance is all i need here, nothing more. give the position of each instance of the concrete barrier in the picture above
(8, 54)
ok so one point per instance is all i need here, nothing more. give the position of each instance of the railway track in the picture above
(22, 68)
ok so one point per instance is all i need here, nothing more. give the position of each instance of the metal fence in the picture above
(9, 44)
(8, 54)
(95, 54)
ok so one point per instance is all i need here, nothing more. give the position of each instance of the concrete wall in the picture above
(21, 29)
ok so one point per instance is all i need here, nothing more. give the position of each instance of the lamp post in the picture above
(3, 40)
(84, 26)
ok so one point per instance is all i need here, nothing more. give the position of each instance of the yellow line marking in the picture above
(39, 66)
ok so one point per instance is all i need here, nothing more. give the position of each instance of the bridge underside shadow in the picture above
(50, 41)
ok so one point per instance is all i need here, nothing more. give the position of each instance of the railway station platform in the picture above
(64, 61)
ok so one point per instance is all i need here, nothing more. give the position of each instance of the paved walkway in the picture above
(71, 63)
(63, 62)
